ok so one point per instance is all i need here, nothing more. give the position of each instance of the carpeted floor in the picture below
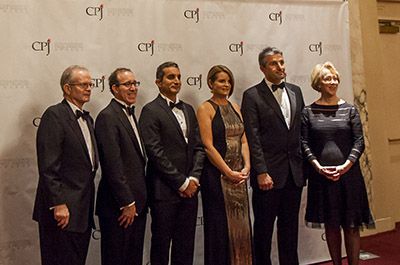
(385, 245)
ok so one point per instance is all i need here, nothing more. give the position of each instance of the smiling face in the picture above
(329, 83)
(79, 89)
(274, 69)
(122, 91)
(222, 85)
(170, 85)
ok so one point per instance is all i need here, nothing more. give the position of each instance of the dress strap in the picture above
(215, 106)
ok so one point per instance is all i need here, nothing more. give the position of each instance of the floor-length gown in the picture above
(225, 205)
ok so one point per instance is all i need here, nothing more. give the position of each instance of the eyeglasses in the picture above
(82, 85)
(130, 84)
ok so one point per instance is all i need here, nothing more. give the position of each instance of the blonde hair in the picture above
(316, 74)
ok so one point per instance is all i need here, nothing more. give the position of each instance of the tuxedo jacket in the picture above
(274, 148)
(171, 159)
(122, 163)
(65, 169)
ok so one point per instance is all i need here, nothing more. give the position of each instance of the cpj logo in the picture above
(97, 82)
(95, 11)
(236, 47)
(316, 47)
(42, 46)
(146, 47)
(194, 81)
(276, 17)
(192, 14)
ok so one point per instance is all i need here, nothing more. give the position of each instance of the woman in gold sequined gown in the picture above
(227, 232)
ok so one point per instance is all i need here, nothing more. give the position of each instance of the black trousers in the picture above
(283, 204)
(173, 221)
(120, 245)
(60, 247)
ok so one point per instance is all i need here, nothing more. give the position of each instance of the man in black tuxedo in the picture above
(271, 112)
(172, 139)
(67, 160)
(121, 198)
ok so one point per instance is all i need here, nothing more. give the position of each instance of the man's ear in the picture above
(114, 89)
(67, 89)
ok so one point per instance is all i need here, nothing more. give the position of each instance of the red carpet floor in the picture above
(385, 245)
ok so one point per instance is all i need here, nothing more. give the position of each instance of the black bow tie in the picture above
(177, 105)
(275, 87)
(84, 114)
(130, 110)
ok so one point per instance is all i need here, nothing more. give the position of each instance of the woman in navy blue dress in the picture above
(332, 140)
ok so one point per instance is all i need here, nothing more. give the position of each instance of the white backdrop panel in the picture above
(41, 38)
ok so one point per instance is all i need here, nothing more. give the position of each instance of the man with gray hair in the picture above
(67, 161)
(271, 113)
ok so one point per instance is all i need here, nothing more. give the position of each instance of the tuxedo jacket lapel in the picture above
(168, 111)
(267, 95)
(292, 99)
(127, 125)
(72, 121)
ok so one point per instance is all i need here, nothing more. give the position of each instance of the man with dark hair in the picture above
(172, 139)
(121, 198)
(67, 161)
(271, 113)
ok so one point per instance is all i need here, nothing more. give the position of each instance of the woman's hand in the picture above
(332, 172)
(236, 177)
(245, 171)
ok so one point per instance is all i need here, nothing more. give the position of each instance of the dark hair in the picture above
(265, 52)
(213, 72)
(113, 78)
(161, 67)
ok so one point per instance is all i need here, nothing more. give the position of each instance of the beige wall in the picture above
(376, 69)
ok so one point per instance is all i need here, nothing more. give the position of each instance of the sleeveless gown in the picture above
(225, 206)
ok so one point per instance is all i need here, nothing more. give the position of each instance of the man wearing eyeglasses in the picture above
(67, 161)
(172, 139)
(121, 197)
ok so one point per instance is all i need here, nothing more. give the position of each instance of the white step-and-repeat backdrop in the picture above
(40, 38)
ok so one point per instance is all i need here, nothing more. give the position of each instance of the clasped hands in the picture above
(334, 172)
(191, 189)
(237, 177)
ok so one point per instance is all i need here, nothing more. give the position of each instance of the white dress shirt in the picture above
(282, 98)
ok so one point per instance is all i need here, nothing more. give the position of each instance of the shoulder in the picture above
(293, 87)
(58, 111)
(106, 112)
(253, 89)
(235, 107)
(189, 108)
(349, 108)
(153, 104)
(206, 109)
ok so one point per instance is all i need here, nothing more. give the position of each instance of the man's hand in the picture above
(265, 181)
(61, 215)
(128, 216)
(191, 189)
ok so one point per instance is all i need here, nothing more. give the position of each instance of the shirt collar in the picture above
(73, 106)
(123, 103)
(168, 100)
(269, 84)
